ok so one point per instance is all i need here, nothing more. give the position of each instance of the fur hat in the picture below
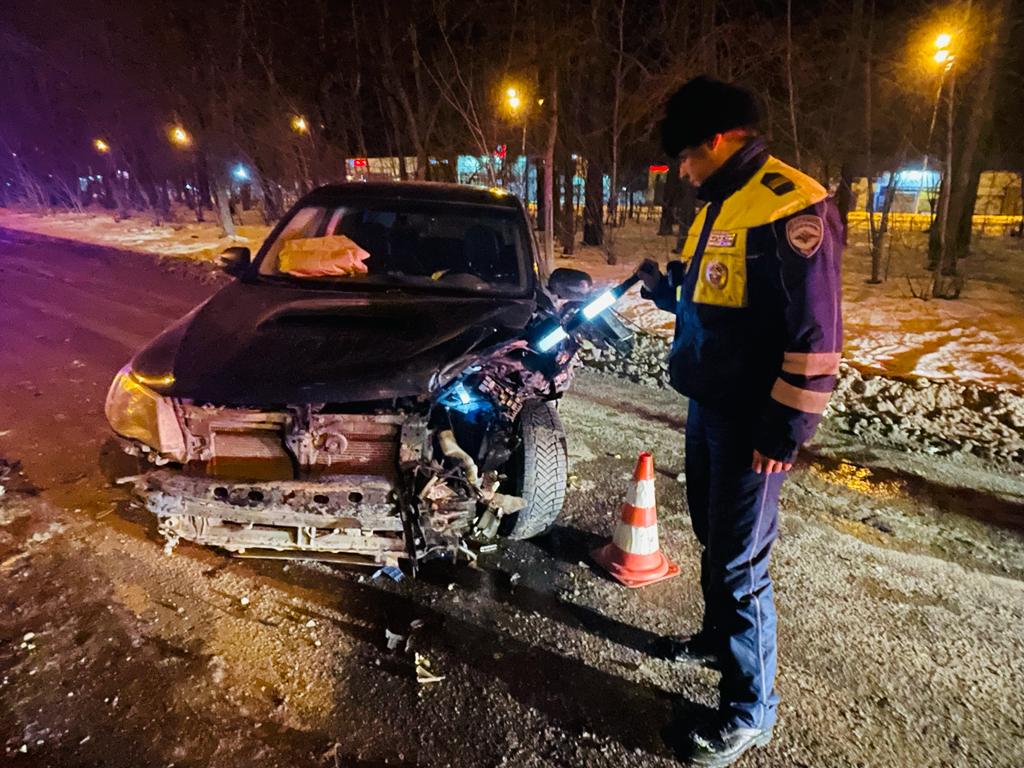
(703, 107)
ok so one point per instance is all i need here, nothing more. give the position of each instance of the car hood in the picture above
(264, 344)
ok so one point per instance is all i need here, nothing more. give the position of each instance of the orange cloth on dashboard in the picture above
(333, 256)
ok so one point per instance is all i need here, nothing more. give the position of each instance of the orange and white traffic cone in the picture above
(634, 557)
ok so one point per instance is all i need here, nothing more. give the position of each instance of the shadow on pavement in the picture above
(567, 690)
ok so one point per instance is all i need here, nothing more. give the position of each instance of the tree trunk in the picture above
(546, 201)
(844, 199)
(878, 244)
(1020, 227)
(203, 184)
(963, 238)
(789, 77)
(669, 200)
(685, 212)
(593, 209)
(568, 229)
(708, 55)
(224, 209)
(613, 198)
(955, 221)
(869, 166)
(538, 191)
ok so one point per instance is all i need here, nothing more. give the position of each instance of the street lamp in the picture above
(100, 146)
(943, 54)
(944, 57)
(514, 101)
(299, 124)
(179, 136)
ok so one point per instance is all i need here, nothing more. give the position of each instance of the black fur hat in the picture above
(703, 107)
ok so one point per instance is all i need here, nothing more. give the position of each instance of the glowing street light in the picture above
(179, 136)
(943, 40)
(299, 124)
(942, 56)
(100, 146)
(513, 99)
(518, 108)
(241, 173)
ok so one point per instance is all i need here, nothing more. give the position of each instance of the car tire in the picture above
(539, 471)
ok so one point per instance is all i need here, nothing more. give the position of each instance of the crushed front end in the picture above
(363, 483)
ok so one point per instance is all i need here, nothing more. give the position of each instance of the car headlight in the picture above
(136, 411)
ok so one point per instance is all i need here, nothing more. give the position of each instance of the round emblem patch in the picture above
(805, 234)
(716, 274)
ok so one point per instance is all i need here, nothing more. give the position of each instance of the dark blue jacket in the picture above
(758, 321)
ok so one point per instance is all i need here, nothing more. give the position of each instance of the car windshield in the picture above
(468, 247)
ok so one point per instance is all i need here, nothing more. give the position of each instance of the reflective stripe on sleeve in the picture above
(811, 363)
(805, 400)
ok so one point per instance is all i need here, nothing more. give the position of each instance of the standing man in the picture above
(757, 345)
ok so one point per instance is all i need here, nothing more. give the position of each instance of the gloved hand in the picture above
(649, 273)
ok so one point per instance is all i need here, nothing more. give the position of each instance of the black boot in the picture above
(712, 747)
(697, 649)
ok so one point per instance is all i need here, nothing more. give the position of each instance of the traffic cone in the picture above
(634, 557)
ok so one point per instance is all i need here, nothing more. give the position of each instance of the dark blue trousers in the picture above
(734, 512)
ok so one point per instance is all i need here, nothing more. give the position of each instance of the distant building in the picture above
(917, 191)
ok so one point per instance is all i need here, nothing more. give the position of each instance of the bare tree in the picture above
(963, 171)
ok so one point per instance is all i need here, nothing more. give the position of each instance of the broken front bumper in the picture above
(355, 519)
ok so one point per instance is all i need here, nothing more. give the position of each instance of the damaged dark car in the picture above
(378, 383)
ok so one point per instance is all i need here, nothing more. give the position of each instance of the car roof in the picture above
(411, 190)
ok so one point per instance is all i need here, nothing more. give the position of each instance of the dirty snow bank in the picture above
(938, 417)
(197, 241)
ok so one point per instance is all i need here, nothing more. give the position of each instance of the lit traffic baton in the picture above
(553, 335)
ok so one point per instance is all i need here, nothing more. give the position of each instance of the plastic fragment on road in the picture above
(424, 674)
(393, 639)
(393, 572)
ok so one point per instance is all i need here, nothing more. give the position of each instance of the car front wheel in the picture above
(538, 471)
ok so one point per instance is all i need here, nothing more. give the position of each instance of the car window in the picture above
(459, 246)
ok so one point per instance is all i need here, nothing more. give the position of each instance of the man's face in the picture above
(697, 163)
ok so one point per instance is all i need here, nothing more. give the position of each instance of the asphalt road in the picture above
(899, 622)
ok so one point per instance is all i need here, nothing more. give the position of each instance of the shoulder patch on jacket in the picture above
(777, 183)
(805, 234)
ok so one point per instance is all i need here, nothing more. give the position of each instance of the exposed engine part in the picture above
(284, 445)
(450, 448)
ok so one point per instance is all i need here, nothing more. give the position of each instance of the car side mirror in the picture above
(235, 260)
(570, 284)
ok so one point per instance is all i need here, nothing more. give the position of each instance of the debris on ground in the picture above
(393, 572)
(424, 674)
(393, 639)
